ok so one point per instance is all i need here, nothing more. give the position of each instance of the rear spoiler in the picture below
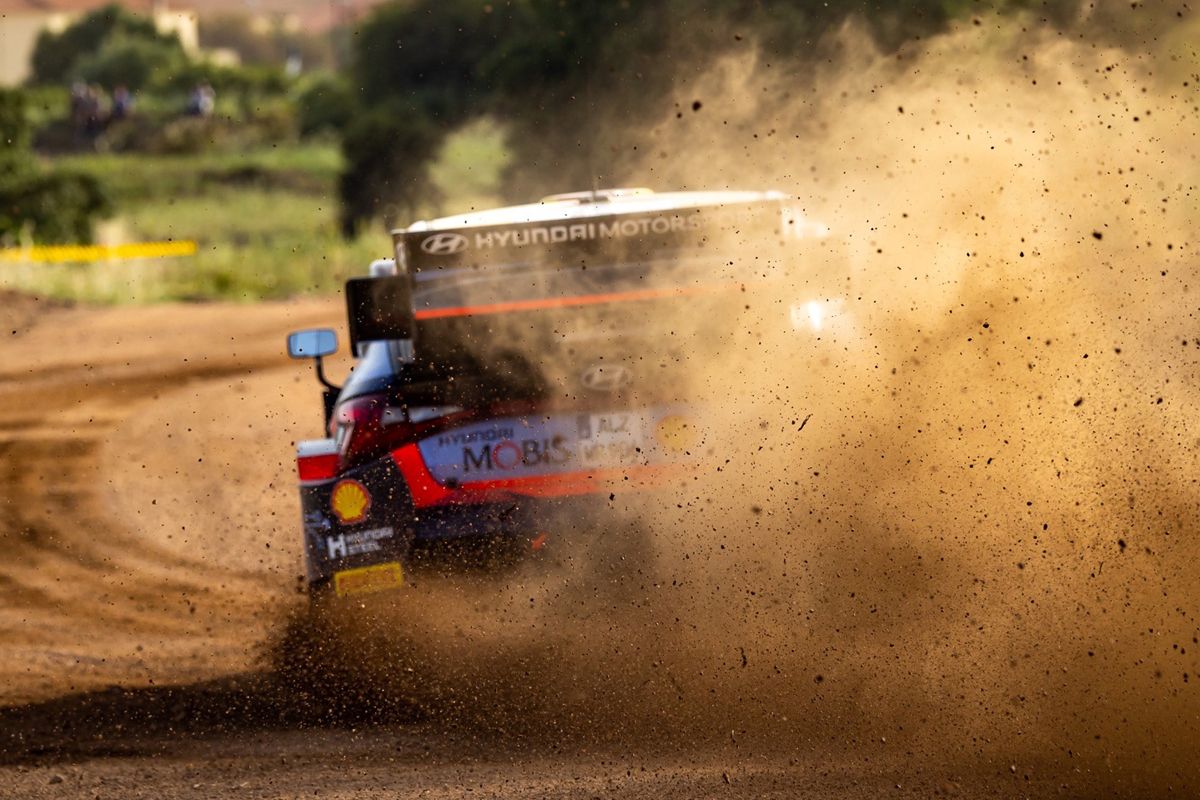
(573, 238)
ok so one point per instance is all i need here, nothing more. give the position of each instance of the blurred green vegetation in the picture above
(469, 169)
(172, 101)
(269, 44)
(103, 35)
(324, 103)
(53, 204)
(265, 220)
(308, 167)
(427, 106)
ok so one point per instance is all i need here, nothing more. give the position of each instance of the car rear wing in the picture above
(571, 240)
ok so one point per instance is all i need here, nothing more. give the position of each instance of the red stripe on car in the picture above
(567, 302)
(426, 491)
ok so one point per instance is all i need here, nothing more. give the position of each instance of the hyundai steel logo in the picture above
(444, 244)
(606, 377)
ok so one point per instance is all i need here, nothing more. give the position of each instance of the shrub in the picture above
(225, 79)
(56, 206)
(324, 103)
(272, 120)
(14, 125)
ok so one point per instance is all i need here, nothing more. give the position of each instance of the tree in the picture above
(57, 56)
(431, 54)
(388, 152)
(131, 62)
(419, 72)
(574, 80)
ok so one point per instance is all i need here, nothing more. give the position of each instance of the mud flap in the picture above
(357, 530)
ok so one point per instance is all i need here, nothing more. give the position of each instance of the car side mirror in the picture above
(314, 343)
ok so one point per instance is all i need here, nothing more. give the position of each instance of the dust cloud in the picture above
(957, 521)
(986, 529)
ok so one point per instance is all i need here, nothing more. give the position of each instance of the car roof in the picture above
(584, 205)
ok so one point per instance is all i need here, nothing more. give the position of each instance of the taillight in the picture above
(317, 468)
(366, 427)
(358, 427)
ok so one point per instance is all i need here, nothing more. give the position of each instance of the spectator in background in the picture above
(88, 114)
(78, 98)
(208, 100)
(193, 103)
(92, 111)
(122, 103)
(202, 101)
(294, 65)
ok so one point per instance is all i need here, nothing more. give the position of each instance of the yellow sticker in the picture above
(363, 580)
(350, 502)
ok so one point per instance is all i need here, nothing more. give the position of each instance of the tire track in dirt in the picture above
(87, 598)
(150, 544)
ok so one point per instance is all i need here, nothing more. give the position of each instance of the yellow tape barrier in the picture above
(58, 254)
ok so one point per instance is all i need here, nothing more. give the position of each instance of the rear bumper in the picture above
(367, 516)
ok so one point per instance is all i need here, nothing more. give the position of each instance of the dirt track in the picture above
(148, 524)
(106, 417)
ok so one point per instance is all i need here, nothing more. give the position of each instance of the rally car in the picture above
(515, 365)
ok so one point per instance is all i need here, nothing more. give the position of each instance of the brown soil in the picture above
(151, 559)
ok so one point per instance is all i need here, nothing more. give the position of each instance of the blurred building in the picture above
(313, 16)
(22, 20)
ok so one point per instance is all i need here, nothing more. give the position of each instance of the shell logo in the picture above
(350, 502)
(675, 433)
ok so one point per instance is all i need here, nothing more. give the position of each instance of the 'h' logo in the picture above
(444, 244)
(337, 546)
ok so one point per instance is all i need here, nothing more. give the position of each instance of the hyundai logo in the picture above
(444, 244)
(606, 377)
